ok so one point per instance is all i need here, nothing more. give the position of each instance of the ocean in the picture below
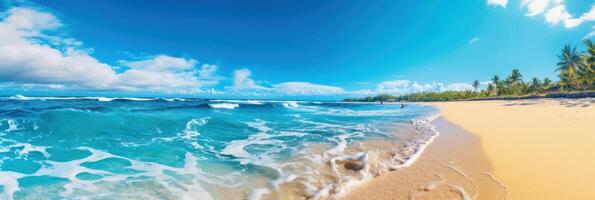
(161, 148)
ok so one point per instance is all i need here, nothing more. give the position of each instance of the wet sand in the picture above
(452, 167)
(540, 148)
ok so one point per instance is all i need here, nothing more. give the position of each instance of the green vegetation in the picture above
(575, 70)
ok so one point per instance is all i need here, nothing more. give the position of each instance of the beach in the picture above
(453, 166)
(521, 149)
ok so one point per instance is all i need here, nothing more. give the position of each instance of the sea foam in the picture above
(177, 149)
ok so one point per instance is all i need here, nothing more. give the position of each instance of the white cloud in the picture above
(558, 14)
(555, 12)
(242, 81)
(163, 72)
(458, 87)
(501, 3)
(399, 87)
(30, 57)
(474, 40)
(26, 58)
(161, 62)
(243, 84)
(305, 88)
(535, 7)
(207, 71)
(30, 20)
(387, 85)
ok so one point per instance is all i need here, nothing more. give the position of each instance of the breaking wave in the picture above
(213, 149)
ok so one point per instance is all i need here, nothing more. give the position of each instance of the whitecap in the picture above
(290, 104)
(190, 132)
(251, 102)
(13, 125)
(224, 105)
(104, 99)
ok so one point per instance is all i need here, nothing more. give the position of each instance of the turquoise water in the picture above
(154, 148)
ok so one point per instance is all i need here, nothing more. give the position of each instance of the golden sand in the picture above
(541, 149)
(523, 149)
(452, 167)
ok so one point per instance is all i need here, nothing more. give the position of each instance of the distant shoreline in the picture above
(569, 95)
(557, 95)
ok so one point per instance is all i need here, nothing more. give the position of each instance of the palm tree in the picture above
(514, 82)
(497, 84)
(547, 83)
(590, 52)
(585, 76)
(535, 86)
(516, 76)
(567, 81)
(569, 62)
(569, 59)
(491, 89)
(496, 79)
(586, 71)
(475, 84)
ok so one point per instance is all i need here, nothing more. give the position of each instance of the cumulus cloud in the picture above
(161, 62)
(474, 40)
(535, 7)
(555, 12)
(501, 3)
(558, 14)
(163, 72)
(29, 56)
(306, 88)
(458, 87)
(243, 81)
(243, 84)
(207, 71)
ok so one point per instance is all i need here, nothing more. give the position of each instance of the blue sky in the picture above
(279, 49)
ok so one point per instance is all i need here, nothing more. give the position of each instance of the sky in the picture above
(279, 49)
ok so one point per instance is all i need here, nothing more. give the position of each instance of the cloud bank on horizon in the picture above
(36, 54)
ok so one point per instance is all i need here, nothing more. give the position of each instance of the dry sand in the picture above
(541, 149)
(522, 149)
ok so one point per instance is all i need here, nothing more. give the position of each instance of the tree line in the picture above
(575, 70)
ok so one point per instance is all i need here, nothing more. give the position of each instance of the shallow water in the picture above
(155, 148)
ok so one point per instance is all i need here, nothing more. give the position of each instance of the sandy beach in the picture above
(452, 167)
(521, 149)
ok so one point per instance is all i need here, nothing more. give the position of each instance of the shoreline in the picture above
(453, 166)
(374, 158)
(554, 95)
